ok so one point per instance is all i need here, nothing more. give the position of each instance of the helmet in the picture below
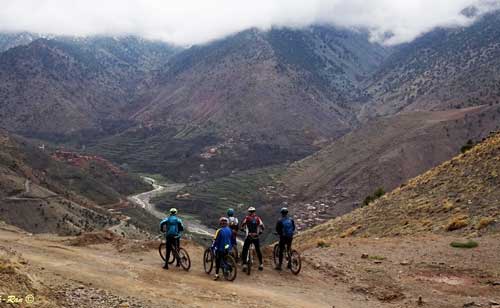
(223, 220)
(230, 212)
(284, 210)
(173, 210)
(251, 209)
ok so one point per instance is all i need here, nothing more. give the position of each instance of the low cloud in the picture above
(197, 21)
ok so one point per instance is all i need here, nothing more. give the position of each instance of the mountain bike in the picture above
(292, 258)
(228, 264)
(249, 263)
(178, 253)
(234, 253)
(250, 258)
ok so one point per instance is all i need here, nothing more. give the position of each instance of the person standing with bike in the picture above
(254, 227)
(172, 227)
(285, 227)
(222, 244)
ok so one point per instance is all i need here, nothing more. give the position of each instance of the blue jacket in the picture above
(285, 226)
(222, 239)
(173, 226)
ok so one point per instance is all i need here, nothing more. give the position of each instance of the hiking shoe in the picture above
(244, 268)
(165, 266)
(278, 267)
(289, 266)
(261, 267)
(216, 277)
(178, 265)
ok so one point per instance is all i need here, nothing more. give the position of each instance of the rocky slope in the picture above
(459, 196)
(11, 40)
(58, 87)
(443, 69)
(40, 194)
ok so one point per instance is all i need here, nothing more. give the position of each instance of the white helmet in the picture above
(251, 209)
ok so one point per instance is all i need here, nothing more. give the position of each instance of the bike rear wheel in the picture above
(208, 260)
(296, 263)
(229, 268)
(162, 250)
(184, 259)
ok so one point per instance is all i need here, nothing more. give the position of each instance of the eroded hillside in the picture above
(41, 195)
(461, 196)
(384, 153)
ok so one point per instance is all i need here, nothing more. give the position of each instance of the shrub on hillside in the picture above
(458, 222)
(350, 231)
(322, 244)
(484, 222)
(466, 147)
(377, 194)
(469, 244)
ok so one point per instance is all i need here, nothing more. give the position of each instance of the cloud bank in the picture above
(189, 22)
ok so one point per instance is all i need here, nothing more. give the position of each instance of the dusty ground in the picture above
(130, 275)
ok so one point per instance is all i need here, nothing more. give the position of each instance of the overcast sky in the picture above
(188, 22)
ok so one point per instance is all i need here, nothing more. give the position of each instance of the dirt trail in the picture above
(140, 276)
(394, 274)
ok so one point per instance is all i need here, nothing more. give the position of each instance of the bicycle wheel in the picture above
(184, 259)
(229, 268)
(276, 252)
(234, 253)
(295, 262)
(172, 258)
(208, 260)
(162, 250)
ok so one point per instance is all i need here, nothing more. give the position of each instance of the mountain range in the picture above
(258, 99)
(443, 69)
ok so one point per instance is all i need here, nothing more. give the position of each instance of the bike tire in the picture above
(295, 262)
(208, 260)
(162, 250)
(184, 259)
(230, 270)
(276, 256)
(172, 258)
(234, 253)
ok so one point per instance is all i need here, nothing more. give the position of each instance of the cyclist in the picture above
(234, 225)
(254, 227)
(285, 227)
(172, 227)
(222, 244)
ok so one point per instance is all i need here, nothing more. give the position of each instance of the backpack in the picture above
(173, 226)
(288, 227)
(233, 223)
(252, 224)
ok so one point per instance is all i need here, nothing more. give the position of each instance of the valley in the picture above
(387, 157)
